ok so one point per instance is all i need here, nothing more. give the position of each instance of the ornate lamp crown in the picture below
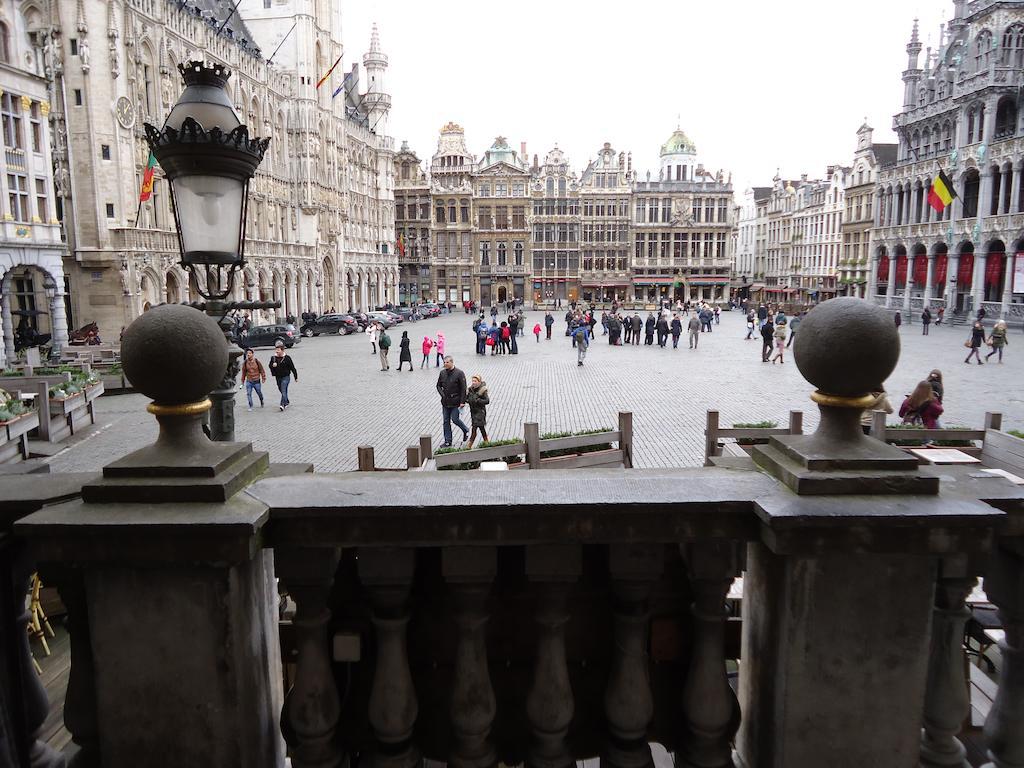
(204, 73)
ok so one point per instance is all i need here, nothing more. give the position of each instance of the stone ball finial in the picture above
(847, 347)
(174, 354)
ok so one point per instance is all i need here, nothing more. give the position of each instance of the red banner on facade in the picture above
(883, 268)
(966, 271)
(901, 271)
(941, 265)
(920, 271)
(994, 266)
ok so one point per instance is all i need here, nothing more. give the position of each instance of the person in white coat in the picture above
(371, 331)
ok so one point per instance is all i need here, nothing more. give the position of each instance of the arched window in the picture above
(1012, 54)
(518, 248)
(925, 143)
(947, 136)
(405, 170)
(936, 141)
(502, 254)
(561, 186)
(1006, 117)
(550, 186)
(972, 119)
(148, 87)
(5, 43)
(915, 143)
(982, 51)
(452, 217)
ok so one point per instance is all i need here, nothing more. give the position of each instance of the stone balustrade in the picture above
(538, 617)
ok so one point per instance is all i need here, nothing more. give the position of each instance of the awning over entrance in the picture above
(656, 281)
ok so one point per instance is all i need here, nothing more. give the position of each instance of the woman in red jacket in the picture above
(921, 407)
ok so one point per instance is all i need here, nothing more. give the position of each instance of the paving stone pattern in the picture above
(342, 399)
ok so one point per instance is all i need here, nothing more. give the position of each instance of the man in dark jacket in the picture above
(549, 321)
(768, 336)
(513, 328)
(649, 329)
(451, 386)
(627, 328)
(638, 324)
(677, 330)
(662, 331)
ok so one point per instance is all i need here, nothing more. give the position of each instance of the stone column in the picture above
(952, 270)
(958, 201)
(985, 194)
(929, 280)
(1004, 727)
(1006, 191)
(1015, 173)
(876, 209)
(58, 322)
(1007, 296)
(292, 302)
(890, 291)
(978, 280)
(947, 703)
(8, 323)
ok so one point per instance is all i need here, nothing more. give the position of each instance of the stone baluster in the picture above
(80, 698)
(393, 707)
(311, 708)
(628, 702)
(710, 709)
(550, 705)
(890, 289)
(469, 572)
(1004, 727)
(1007, 296)
(947, 704)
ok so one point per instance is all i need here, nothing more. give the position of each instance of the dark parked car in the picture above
(382, 318)
(269, 335)
(331, 324)
(408, 313)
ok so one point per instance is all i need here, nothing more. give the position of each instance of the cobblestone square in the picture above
(342, 399)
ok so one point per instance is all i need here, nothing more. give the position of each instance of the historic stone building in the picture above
(817, 239)
(451, 191)
(859, 215)
(34, 288)
(682, 229)
(749, 255)
(501, 237)
(606, 188)
(960, 114)
(320, 230)
(555, 227)
(412, 227)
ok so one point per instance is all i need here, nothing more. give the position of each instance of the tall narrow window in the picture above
(5, 43)
(17, 196)
(10, 111)
(42, 201)
(36, 122)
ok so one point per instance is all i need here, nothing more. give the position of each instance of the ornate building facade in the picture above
(606, 187)
(451, 191)
(859, 215)
(320, 230)
(34, 289)
(817, 239)
(501, 238)
(412, 227)
(682, 226)
(960, 114)
(555, 226)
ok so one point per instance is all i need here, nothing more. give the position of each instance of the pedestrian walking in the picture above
(282, 369)
(549, 321)
(477, 398)
(513, 331)
(718, 314)
(975, 342)
(536, 331)
(404, 353)
(482, 337)
(582, 334)
(880, 403)
(780, 342)
(998, 340)
(937, 385)
(793, 326)
(694, 328)
(649, 330)
(899, 319)
(940, 315)
(637, 326)
(383, 345)
(767, 337)
(926, 321)
(439, 347)
(921, 407)
(253, 376)
(627, 329)
(677, 330)
(663, 331)
(506, 337)
(428, 344)
(762, 315)
(451, 386)
(750, 325)
(371, 332)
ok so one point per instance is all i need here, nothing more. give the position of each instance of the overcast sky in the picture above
(756, 85)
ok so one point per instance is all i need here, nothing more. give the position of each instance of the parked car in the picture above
(383, 318)
(269, 335)
(331, 324)
(433, 310)
(360, 317)
(408, 313)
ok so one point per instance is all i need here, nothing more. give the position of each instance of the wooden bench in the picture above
(1002, 451)
(714, 435)
(993, 422)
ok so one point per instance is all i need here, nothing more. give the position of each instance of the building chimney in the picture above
(522, 151)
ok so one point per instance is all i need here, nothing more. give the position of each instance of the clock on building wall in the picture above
(125, 111)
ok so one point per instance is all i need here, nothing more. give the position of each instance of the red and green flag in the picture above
(400, 245)
(147, 179)
(941, 192)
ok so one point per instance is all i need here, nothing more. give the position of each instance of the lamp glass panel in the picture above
(209, 212)
(207, 114)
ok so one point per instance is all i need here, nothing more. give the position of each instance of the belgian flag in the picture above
(941, 192)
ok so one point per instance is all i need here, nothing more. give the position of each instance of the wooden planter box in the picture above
(14, 437)
(112, 381)
(62, 407)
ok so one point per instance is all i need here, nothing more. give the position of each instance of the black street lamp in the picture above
(209, 158)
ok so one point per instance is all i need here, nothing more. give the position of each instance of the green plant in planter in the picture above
(574, 451)
(754, 425)
(911, 443)
(476, 464)
(12, 372)
(1016, 433)
(6, 415)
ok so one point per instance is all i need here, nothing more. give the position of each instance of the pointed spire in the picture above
(112, 31)
(83, 26)
(374, 39)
